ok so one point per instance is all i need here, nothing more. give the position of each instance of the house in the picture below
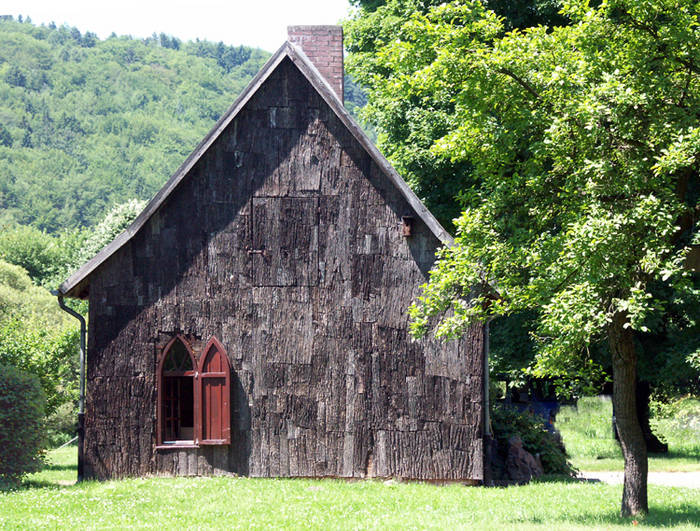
(253, 319)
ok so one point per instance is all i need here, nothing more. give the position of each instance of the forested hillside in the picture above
(86, 123)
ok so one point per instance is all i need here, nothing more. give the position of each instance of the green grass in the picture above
(587, 433)
(49, 499)
(206, 503)
(62, 469)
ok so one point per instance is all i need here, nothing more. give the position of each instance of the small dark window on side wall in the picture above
(193, 398)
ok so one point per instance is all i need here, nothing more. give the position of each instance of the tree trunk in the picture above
(624, 362)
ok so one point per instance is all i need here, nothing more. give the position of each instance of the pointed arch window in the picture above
(176, 394)
(193, 398)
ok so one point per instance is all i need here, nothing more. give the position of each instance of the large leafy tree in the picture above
(585, 147)
(409, 126)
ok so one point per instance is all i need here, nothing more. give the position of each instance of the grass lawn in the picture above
(587, 433)
(221, 502)
(48, 499)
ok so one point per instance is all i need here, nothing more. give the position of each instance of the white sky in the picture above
(261, 23)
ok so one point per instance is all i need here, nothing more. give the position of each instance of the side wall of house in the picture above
(285, 243)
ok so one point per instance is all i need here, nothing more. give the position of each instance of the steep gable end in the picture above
(276, 113)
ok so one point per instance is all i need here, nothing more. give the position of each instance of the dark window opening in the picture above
(178, 403)
(176, 395)
(193, 399)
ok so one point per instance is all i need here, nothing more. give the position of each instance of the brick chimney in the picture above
(324, 46)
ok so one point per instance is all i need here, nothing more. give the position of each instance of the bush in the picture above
(507, 421)
(49, 353)
(21, 425)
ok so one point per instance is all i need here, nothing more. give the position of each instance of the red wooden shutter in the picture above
(214, 395)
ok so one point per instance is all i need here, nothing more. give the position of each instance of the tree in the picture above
(114, 223)
(45, 257)
(585, 149)
(5, 137)
(408, 127)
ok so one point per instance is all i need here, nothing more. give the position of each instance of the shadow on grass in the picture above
(60, 467)
(659, 516)
(692, 452)
(58, 483)
(30, 484)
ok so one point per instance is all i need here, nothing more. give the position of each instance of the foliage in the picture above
(48, 353)
(62, 424)
(21, 425)
(97, 122)
(670, 351)
(517, 13)
(115, 221)
(511, 347)
(21, 298)
(581, 155)
(408, 127)
(679, 422)
(44, 256)
(507, 422)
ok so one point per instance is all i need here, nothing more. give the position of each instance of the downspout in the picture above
(81, 396)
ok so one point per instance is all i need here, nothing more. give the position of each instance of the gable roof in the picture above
(75, 285)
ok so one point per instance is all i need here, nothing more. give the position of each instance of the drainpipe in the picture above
(81, 397)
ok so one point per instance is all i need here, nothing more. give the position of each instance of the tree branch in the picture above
(527, 86)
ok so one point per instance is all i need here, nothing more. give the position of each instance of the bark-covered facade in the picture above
(282, 237)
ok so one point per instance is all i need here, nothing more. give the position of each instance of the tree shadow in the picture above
(30, 484)
(685, 513)
(45, 483)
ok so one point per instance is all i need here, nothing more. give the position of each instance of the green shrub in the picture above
(21, 425)
(49, 353)
(507, 421)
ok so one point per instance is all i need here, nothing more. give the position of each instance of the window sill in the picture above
(177, 445)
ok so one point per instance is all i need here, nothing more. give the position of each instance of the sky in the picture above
(258, 23)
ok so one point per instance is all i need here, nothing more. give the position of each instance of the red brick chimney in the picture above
(324, 46)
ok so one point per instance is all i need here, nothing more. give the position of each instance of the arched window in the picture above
(215, 395)
(193, 404)
(176, 394)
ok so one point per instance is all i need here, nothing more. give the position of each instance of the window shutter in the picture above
(214, 395)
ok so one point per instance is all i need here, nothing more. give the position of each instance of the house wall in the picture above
(325, 379)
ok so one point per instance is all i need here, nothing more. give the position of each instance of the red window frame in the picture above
(162, 389)
(211, 399)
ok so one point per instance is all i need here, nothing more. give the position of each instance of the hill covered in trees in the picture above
(87, 123)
